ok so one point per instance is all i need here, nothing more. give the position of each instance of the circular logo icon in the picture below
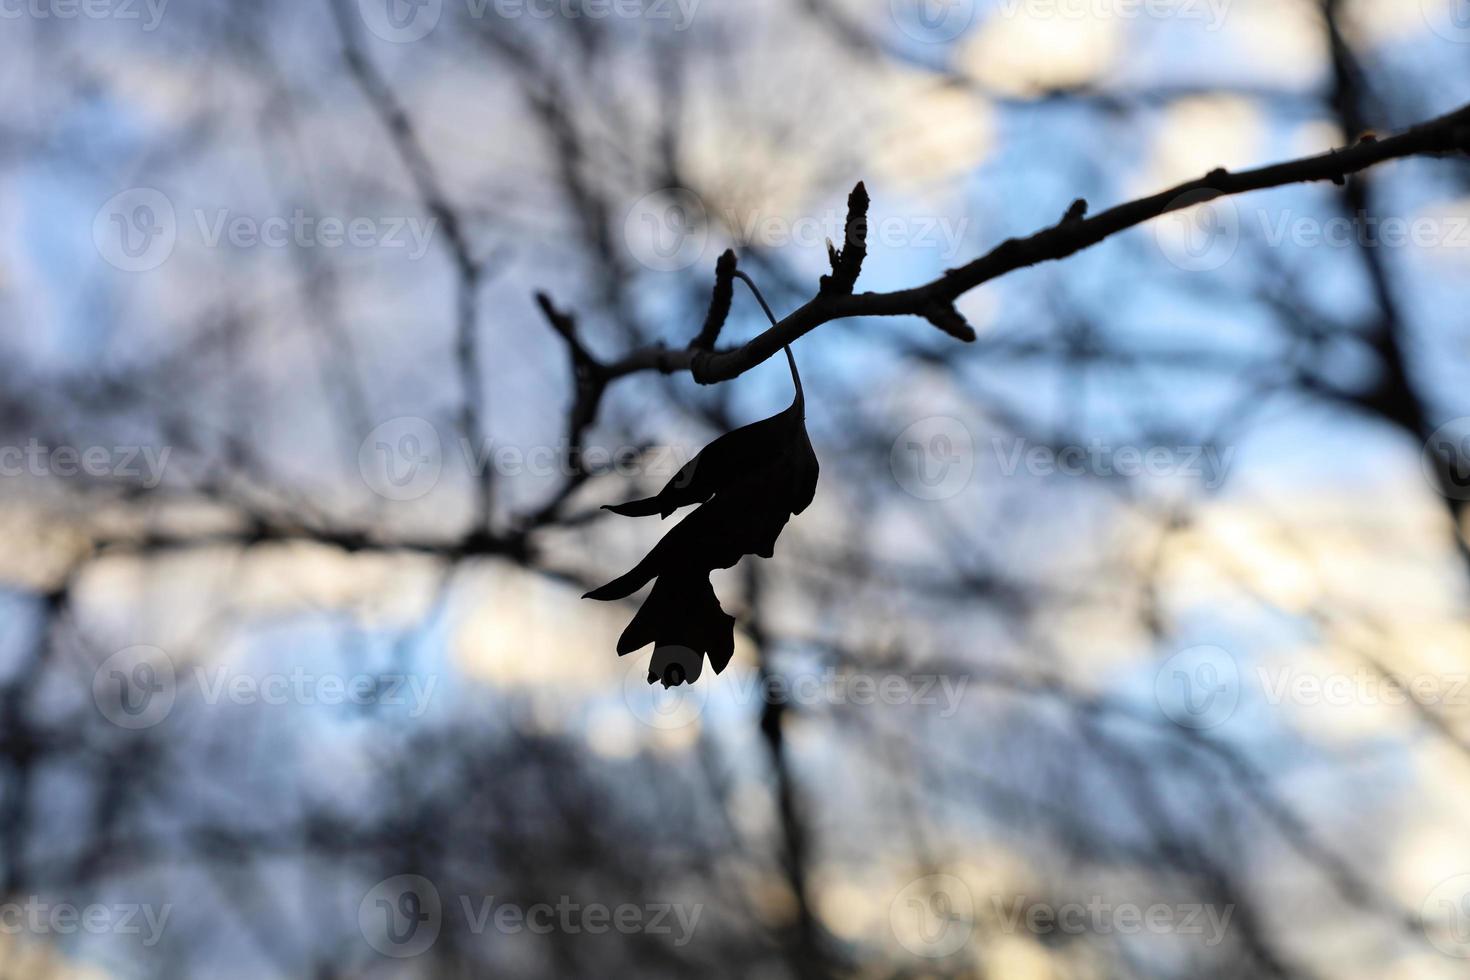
(1450, 19)
(1198, 688)
(667, 230)
(665, 708)
(932, 21)
(934, 458)
(1202, 235)
(1445, 916)
(1446, 459)
(136, 230)
(400, 21)
(401, 459)
(401, 916)
(933, 916)
(135, 687)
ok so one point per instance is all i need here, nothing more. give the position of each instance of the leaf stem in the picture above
(790, 357)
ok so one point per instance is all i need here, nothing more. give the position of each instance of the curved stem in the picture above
(790, 357)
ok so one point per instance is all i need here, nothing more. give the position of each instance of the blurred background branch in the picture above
(1127, 639)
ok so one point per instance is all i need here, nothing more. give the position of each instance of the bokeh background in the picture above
(1128, 641)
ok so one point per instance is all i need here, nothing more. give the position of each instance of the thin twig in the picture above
(934, 300)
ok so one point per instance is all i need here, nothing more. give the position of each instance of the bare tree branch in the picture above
(934, 300)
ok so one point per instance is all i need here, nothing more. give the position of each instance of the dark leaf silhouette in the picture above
(744, 519)
(748, 483)
(719, 464)
(766, 449)
(683, 619)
